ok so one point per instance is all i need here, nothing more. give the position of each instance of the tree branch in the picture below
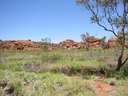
(117, 12)
(98, 22)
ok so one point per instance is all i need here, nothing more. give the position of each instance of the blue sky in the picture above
(36, 19)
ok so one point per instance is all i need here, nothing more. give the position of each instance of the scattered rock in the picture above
(112, 83)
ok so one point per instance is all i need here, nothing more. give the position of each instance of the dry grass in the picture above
(41, 73)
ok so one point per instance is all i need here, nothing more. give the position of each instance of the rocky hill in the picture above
(19, 45)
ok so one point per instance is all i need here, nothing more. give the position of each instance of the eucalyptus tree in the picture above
(112, 16)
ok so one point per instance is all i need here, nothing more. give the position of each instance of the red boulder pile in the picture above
(91, 42)
(19, 45)
(94, 42)
(70, 44)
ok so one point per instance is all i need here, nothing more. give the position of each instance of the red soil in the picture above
(103, 88)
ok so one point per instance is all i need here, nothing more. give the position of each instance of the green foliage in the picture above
(46, 84)
(103, 39)
(51, 83)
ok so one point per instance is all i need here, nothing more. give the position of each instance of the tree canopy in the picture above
(112, 16)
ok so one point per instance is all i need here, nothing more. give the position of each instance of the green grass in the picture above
(45, 84)
(74, 58)
(57, 84)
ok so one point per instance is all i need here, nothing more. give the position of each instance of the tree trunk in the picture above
(119, 63)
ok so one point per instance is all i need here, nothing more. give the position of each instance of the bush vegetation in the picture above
(60, 72)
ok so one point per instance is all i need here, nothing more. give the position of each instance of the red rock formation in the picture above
(94, 42)
(70, 44)
(19, 45)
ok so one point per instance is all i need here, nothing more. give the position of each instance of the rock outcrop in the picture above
(70, 44)
(28, 45)
(94, 42)
(19, 45)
